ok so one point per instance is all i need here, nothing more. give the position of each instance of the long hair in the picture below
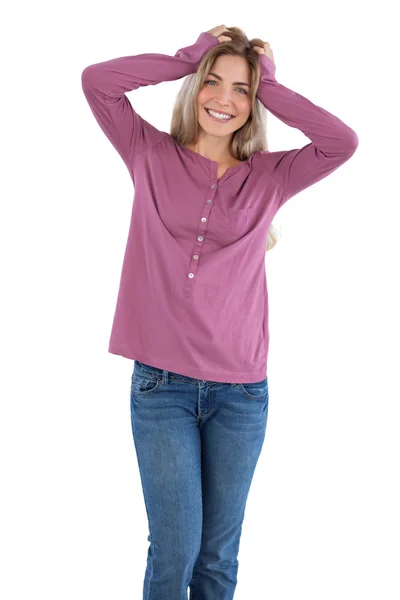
(252, 136)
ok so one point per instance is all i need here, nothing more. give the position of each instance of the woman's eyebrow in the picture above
(235, 83)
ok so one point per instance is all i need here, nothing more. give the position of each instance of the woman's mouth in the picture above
(219, 119)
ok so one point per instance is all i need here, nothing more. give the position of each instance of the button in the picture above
(203, 220)
(209, 201)
(200, 238)
(195, 256)
(191, 275)
(213, 186)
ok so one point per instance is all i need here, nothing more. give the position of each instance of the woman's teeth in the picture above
(218, 116)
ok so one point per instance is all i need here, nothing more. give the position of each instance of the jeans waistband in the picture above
(163, 373)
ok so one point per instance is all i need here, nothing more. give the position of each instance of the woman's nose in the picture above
(224, 95)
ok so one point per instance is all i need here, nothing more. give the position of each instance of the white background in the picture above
(322, 518)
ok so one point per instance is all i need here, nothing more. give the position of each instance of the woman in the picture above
(192, 308)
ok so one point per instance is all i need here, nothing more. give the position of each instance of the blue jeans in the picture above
(197, 444)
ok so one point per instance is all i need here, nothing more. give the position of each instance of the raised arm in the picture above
(104, 85)
(332, 141)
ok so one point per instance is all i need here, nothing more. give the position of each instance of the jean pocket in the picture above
(255, 391)
(144, 384)
(239, 219)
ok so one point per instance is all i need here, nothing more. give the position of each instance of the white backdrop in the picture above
(322, 519)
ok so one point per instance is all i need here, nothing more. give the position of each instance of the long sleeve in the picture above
(104, 85)
(332, 141)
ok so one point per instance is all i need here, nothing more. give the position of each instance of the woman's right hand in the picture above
(217, 31)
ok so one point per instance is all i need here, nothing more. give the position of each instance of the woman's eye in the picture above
(212, 81)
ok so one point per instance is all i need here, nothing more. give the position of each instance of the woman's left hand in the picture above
(266, 49)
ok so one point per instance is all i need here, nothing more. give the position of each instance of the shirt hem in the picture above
(168, 365)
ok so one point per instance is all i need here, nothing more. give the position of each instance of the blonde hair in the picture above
(252, 136)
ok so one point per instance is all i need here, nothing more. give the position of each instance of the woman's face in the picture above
(225, 90)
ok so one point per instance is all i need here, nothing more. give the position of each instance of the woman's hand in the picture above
(216, 31)
(266, 49)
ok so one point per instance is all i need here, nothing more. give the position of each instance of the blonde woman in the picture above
(192, 307)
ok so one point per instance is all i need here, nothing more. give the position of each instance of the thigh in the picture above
(231, 445)
(167, 443)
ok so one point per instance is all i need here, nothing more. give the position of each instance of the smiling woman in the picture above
(192, 307)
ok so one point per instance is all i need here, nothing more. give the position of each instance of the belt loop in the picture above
(165, 376)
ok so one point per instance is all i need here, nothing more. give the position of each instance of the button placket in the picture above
(200, 238)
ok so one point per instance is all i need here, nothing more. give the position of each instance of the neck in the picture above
(216, 149)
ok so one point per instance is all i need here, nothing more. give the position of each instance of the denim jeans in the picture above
(197, 444)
